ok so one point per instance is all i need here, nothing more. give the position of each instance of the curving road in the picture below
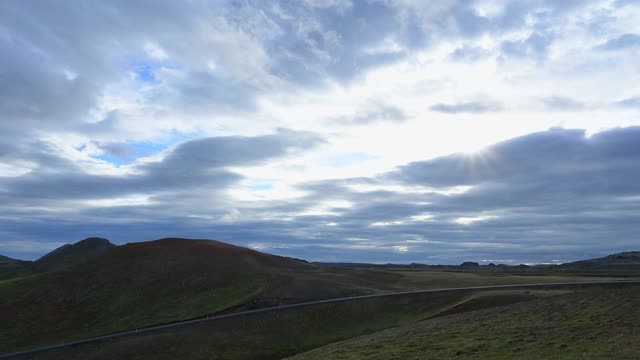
(302, 305)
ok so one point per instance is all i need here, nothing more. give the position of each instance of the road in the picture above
(302, 305)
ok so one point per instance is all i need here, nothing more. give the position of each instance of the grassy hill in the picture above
(71, 254)
(133, 286)
(147, 283)
(60, 258)
(11, 268)
(600, 324)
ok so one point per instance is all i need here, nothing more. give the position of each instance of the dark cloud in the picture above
(196, 164)
(339, 42)
(543, 196)
(542, 155)
(120, 150)
(467, 107)
(219, 152)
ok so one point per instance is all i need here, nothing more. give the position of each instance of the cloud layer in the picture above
(337, 131)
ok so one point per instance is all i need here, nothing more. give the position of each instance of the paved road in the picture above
(302, 305)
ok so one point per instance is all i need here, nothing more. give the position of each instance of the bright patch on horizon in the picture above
(473, 219)
(386, 223)
(422, 217)
(401, 249)
(329, 207)
(125, 201)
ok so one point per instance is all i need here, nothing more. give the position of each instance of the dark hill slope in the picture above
(60, 258)
(6, 259)
(142, 284)
(12, 268)
(629, 260)
(71, 254)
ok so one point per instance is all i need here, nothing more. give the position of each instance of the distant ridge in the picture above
(71, 254)
(11, 268)
(623, 260)
(58, 259)
(6, 259)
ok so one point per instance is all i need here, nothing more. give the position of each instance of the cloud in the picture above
(539, 155)
(373, 111)
(469, 54)
(195, 164)
(632, 102)
(466, 107)
(621, 42)
(542, 195)
(562, 103)
(112, 124)
(534, 47)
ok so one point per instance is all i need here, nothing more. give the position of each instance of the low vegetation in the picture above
(588, 324)
(273, 335)
(94, 288)
(465, 324)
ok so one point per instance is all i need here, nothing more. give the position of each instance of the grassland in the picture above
(471, 324)
(588, 324)
(144, 284)
(274, 335)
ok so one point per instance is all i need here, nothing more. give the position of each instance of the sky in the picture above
(341, 131)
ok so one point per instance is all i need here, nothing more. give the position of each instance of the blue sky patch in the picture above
(145, 68)
(127, 152)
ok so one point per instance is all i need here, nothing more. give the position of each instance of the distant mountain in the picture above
(621, 261)
(71, 254)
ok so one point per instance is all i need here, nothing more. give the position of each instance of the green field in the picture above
(468, 324)
(59, 307)
(594, 324)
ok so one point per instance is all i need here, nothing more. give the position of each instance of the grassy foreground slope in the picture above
(279, 335)
(588, 324)
(282, 334)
